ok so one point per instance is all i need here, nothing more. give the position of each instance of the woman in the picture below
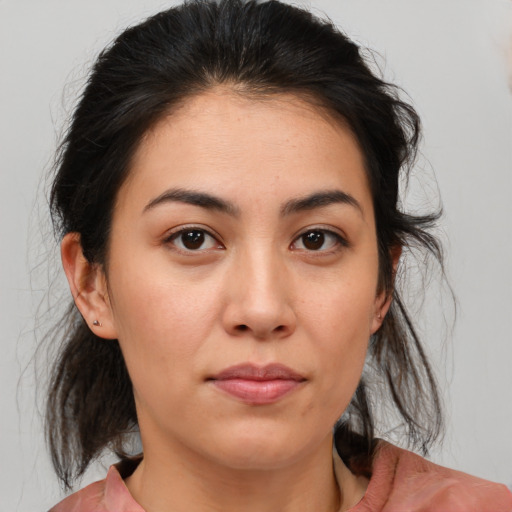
(227, 198)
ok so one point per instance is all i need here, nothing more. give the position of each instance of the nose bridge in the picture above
(263, 277)
(260, 294)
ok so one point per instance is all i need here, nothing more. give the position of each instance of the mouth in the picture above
(257, 385)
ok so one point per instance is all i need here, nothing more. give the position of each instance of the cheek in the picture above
(339, 319)
(161, 322)
(343, 351)
(342, 305)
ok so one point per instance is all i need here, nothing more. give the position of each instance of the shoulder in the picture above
(402, 481)
(87, 499)
(108, 495)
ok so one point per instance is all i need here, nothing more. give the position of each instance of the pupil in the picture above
(193, 239)
(313, 240)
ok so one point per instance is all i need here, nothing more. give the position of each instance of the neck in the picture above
(178, 480)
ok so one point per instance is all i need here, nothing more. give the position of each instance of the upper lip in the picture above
(248, 371)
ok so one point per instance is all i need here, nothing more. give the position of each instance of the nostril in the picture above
(242, 327)
(279, 328)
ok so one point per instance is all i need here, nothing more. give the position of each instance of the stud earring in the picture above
(96, 323)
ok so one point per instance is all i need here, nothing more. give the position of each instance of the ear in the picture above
(384, 298)
(88, 286)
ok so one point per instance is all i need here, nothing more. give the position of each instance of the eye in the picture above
(193, 239)
(319, 240)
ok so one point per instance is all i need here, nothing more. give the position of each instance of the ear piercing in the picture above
(96, 323)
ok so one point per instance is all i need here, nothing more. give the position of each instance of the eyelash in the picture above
(171, 239)
(338, 240)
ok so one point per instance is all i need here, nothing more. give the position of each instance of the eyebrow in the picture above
(319, 200)
(204, 200)
(200, 199)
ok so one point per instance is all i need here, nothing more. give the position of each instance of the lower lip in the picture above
(257, 392)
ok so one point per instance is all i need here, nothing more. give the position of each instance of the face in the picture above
(242, 278)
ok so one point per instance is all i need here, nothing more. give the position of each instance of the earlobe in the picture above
(88, 286)
(382, 305)
(384, 298)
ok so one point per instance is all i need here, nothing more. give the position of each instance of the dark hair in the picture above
(256, 48)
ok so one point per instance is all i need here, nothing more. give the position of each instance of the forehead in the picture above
(242, 147)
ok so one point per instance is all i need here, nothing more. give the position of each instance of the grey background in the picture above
(449, 55)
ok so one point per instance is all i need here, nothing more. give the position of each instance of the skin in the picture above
(256, 291)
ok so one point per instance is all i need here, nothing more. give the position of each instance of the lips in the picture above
(257, 385)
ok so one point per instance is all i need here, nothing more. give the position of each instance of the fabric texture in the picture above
(401, 481)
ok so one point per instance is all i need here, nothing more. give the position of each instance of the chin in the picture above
(253, 458)
(262, 447)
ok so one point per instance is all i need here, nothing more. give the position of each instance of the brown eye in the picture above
(314, 240)
(318, 240)
(193, 239)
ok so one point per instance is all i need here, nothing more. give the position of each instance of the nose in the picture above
(259, 299)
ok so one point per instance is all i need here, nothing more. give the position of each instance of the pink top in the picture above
(401, 482)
